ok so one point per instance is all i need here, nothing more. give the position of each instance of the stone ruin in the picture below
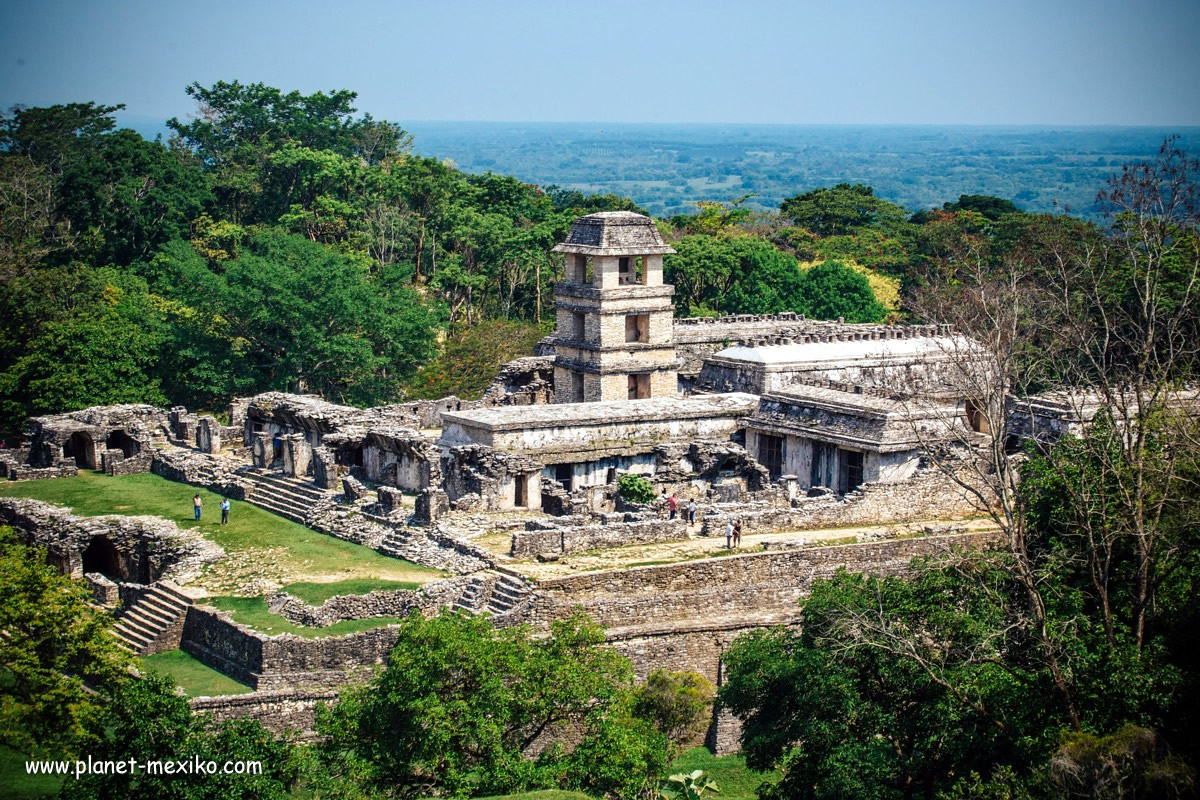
(785, 423)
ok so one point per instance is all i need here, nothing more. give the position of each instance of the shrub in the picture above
(635, 488)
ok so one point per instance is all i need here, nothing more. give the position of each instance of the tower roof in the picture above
(614, 233)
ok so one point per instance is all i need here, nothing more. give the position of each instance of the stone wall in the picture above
(201, 469)
(397, 603)
(748, 590)
(929, 494)
(284, 712)
(577, 539)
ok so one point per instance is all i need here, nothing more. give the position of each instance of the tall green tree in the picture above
(464, 708)
(54, 641)
(831, 290)
(843, 209)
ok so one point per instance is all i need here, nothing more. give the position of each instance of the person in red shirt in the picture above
(673, 505)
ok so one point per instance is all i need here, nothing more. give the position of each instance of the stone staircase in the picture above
(292, 498)
(493, 592)
(155, 622)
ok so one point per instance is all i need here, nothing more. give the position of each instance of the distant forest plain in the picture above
(667, 168)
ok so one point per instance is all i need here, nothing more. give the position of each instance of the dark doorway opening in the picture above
(851, 469)
(770, 453)
(102, 556)
(564, 474)
(120, 440)
(80, 448)
(520, 498)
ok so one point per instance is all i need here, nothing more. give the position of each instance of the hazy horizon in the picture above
(1069, 63)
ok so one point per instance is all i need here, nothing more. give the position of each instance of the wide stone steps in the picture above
(158, 612)
(288, 497)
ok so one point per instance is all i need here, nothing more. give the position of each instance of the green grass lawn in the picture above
(317, 593)
(252, 612)
(735, 780)
(297, 551)
(15, 784)
(197, 678)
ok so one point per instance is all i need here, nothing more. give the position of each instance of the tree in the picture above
(465, 708)
(844, 209)
(732, 275)
(147, 720)
(832, 290)
(53, 642)
(679, 703)
(308, 317)
(636, 489)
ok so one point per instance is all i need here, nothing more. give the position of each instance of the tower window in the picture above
(637, 328)
(639, 387)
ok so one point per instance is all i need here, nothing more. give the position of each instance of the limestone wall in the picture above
(281, 712)
(578, 539)
(749, 589)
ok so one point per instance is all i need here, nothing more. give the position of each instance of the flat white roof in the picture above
(563, 415)
(811, 352)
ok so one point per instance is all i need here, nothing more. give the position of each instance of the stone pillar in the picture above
(297, 455)
(208, 435)
(390, 499)
(431, 505)
(187, 428)
(237, 417)
(109, 459)
(262, 453)
(791, 485)
(325, 474)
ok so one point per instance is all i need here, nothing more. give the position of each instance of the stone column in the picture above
(324, 466)
(297, 455)
(208, 435)
(261, 450)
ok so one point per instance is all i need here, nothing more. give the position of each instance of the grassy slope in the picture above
(301, 549)
(733, 777)
(196, 678)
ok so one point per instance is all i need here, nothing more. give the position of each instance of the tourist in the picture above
(196, 504)
(728, 533)
(737, 533)
(224, 510)
(672, 505)
(692, 512)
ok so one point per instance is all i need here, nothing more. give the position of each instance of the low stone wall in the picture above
(200, 469)
(281, 712)
(398, 603)
(593, 537)
(283, 661)
(104, 591)
(63, 468)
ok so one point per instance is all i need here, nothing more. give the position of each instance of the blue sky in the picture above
(1057, 62)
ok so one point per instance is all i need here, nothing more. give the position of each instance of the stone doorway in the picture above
(102, 556)
(81, 448)
(120, 440)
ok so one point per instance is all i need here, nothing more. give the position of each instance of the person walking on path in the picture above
(672, 505)
(737, 533)
(728, 533)
(691, 512)
(224, 510)
(196, 505)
